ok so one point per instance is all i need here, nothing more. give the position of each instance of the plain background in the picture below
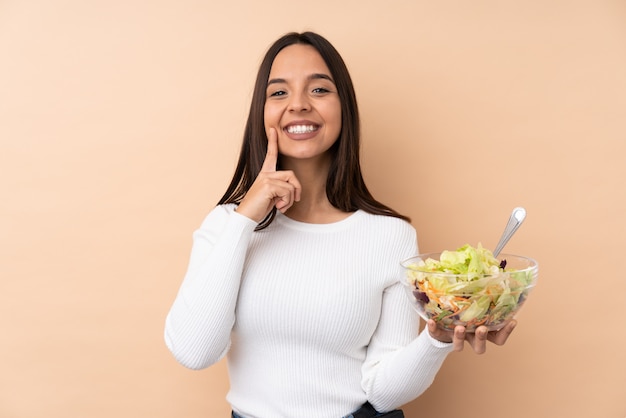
(120, 124)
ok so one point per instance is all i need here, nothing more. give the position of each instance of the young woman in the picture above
(294, 275)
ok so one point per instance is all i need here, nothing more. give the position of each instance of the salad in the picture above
(469, 286)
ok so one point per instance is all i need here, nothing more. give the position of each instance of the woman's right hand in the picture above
(271, 188)
(477, 340)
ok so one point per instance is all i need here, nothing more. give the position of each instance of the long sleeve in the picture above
(395, 372)
(400, 365)
(198, 325)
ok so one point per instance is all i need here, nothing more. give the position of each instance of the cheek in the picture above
(336, 118)
(271, 115)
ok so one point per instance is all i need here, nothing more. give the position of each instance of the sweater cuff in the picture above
(244, 220)
(438, 344)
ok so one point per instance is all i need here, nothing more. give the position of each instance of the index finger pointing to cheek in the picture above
(271, 158)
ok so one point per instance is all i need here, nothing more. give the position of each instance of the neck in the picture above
(314, 206)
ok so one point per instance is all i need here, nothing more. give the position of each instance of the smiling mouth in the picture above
(302, 129)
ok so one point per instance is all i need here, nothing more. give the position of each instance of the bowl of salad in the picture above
(469, 286)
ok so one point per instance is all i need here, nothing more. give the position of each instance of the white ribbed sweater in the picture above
(311, 316)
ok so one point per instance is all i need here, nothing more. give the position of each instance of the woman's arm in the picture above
(198, 325)
(400, 365)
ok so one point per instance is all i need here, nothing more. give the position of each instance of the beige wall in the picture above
(120, 123)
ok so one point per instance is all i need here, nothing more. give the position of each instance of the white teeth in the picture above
(301, 129)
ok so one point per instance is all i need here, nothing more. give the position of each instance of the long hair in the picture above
(345, 187)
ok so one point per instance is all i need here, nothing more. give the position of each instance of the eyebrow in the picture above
(315, 76)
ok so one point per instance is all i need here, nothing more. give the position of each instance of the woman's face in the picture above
(302, 103)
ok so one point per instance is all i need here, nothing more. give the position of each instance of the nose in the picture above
(299, 102)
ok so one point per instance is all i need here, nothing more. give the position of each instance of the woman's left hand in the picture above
(477, 340)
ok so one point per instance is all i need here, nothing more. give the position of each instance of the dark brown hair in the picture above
(345, 186)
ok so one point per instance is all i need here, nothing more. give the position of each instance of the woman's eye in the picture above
(277, 93)
(320, 90)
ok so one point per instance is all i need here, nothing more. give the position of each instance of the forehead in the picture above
(298, 59)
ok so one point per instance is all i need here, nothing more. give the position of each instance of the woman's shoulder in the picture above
(388, 225)
(391, 235)
(387, 220)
